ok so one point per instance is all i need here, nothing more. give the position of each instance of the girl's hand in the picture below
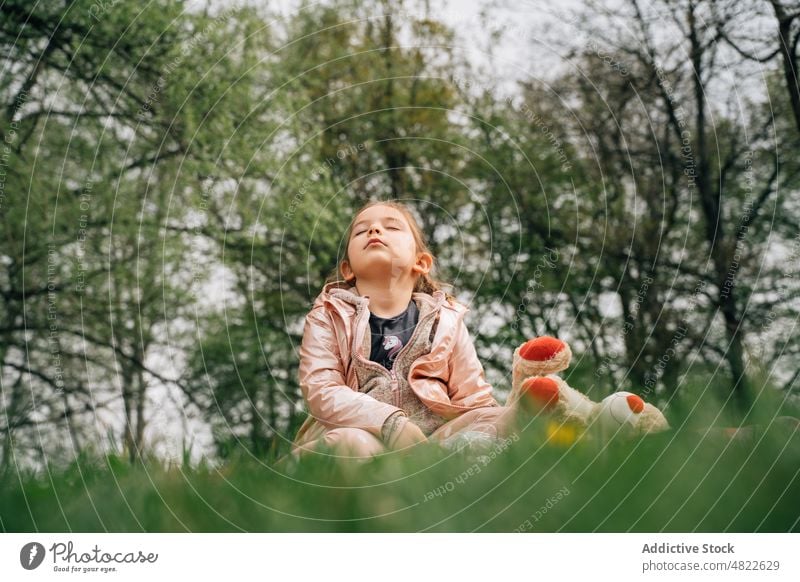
(407, 436)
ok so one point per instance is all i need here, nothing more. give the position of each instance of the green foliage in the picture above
(674, 482)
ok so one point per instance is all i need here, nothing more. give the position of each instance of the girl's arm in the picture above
(467, 385)
(330, 400)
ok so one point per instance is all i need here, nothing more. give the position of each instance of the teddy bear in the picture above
(536, 387)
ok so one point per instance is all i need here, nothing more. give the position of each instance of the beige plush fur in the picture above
(573, 406)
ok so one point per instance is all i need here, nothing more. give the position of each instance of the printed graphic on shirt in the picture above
(389, 335)
(392, 345)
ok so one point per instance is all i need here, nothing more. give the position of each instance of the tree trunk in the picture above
(73, 433)
(787, 48)
(140, 401)
(735, 356)
(710, 195)
(128, 407)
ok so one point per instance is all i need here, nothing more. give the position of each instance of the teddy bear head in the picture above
(627, 413)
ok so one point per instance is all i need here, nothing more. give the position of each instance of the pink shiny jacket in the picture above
(449, 379)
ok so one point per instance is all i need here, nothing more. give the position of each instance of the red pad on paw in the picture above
(543, 391)
(541, 349)
(635, 403)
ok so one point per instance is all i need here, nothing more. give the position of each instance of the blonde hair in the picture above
(425, 283)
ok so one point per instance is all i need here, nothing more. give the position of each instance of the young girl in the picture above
(386, 359)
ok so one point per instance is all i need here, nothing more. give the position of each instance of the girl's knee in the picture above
(354, 442)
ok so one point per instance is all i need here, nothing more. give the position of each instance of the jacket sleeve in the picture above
(467, 385)
(330, 400)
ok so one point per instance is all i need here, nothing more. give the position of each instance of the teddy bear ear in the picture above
(635, 403)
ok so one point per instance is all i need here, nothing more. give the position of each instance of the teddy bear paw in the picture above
(553, 396)
(540, 393)
(541, 356)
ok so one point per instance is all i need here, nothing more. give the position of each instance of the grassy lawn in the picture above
(680, 481)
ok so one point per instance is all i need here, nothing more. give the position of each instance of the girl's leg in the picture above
(347, 442)
(354, 442)
(495, 421)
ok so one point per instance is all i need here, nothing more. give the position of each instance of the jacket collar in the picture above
(341, 292)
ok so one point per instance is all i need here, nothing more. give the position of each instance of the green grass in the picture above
(675, 481)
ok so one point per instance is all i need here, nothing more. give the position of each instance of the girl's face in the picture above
(382, 246)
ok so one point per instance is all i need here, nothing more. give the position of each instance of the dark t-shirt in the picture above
(390, 334)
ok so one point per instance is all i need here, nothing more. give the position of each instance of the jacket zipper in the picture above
(395, 387)
(391, 373)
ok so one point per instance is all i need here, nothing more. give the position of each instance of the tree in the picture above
(736, 31)
(687, 170)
